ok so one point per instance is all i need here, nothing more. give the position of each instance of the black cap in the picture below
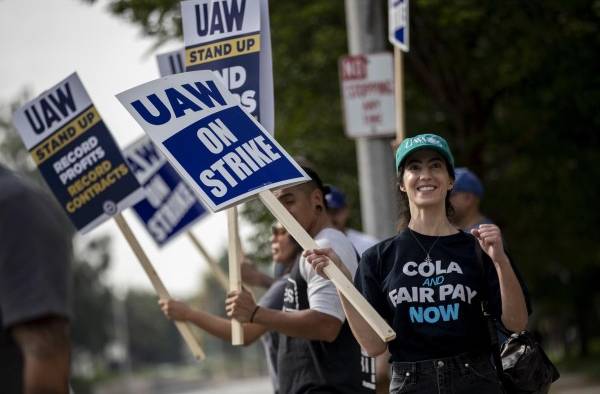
(317, 180)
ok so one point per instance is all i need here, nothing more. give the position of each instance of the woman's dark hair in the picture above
(403, 206)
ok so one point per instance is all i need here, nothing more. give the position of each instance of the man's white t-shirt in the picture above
(322, 294)
(361, 241)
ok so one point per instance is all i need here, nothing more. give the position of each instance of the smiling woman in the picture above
(436, 162)
(428, 282)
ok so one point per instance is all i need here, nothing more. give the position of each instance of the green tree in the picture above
(93, 323)
(152, 338)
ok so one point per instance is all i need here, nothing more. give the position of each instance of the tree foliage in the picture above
(152, 338)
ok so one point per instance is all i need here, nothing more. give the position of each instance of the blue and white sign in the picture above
(398, 23)
(222, 152)
(170, 206)
(76, 154)
(233, 39)
(171, 62)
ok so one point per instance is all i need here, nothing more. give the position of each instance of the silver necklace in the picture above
(427, 257)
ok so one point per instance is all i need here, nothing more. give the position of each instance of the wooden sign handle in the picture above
(214, 266)
(341, 282)
(235, 272)
(399, 94)
(184, 328)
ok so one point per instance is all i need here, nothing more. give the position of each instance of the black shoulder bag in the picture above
(525, 368)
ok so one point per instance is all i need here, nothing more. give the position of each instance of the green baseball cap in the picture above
(424, 141)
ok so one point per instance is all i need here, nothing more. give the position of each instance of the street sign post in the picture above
(398, 36)
(398, 23)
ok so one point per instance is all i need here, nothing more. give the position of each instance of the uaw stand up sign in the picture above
(232, 38)
(85, 169)
(226, 156)
(76, 154)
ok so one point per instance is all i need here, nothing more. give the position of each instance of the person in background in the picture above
(465, 198)
(339, 212)
(35, 258)
(286, 252)
(252, 276)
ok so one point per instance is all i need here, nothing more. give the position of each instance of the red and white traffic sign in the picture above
(367, 83)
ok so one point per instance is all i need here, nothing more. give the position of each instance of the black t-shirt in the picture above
(434, 306)
(273, 299)
(35, 255)
(317, 367)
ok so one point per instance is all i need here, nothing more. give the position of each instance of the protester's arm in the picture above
(368, 339)
(214, 325)
(46, 351)
(514, 309)
(514, 312)
(307, 323)
(254, 277)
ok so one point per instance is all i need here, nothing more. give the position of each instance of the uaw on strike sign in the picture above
(76, 154)
(170, 206)
(232, 38)
(221, 151)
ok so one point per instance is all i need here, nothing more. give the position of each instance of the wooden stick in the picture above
(235, 274)
(240, 248)
(377, 323)
(399, 93)
(214, 265)
(184, 328)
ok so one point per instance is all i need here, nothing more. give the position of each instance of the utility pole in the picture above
(376, 172)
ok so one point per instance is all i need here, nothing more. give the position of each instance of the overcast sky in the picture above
(42, 42)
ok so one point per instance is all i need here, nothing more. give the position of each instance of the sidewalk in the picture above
(572, 383)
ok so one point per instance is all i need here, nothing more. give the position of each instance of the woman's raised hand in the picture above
(490, 240)
(321, 258)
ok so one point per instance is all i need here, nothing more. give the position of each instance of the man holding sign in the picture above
(316, 348)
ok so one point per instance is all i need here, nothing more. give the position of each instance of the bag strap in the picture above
(489, 319)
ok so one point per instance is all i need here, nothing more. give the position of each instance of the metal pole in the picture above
(364, 26)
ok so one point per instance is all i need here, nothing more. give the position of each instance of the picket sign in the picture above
(214, 266)
(399, 93)
(184, 328)
(83, 166)
(173, 63)
(341, 282)
(235, 273)
(183, 140)
(246, 69)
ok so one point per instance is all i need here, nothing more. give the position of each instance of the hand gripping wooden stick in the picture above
(235, 274)
(340, 281)
(214, 266)
(184, 329)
